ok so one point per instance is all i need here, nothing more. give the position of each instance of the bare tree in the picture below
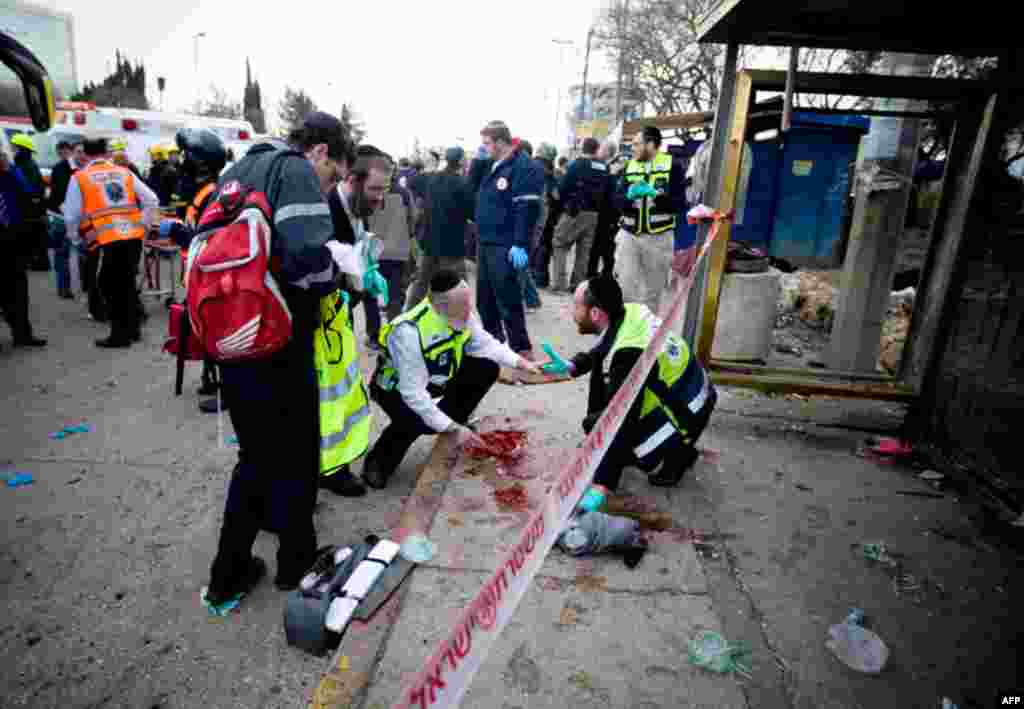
(833, 61)
(218, 105)
(657, 41)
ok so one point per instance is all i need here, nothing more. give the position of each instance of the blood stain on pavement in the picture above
(512, 499)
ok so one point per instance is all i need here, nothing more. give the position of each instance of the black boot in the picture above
(672, 472)
(343, 483)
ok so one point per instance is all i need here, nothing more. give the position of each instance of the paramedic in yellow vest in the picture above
(651, 192)
(438, 348)
(666, 418)
(345, 417)
(109, 209)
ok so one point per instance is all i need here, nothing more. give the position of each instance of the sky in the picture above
(437, 71)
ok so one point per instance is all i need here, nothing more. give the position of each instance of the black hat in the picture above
(652, 134)
(325, 128)
(607, 294)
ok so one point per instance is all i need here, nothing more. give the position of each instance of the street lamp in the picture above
(562, 44)
(195, 39)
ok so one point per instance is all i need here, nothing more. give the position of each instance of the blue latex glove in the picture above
(376, 285)
(557, 365)
(636, 190)
(593, 500)
(518, 257)
(165, 228)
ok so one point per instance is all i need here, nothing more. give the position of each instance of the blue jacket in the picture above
(509, 202)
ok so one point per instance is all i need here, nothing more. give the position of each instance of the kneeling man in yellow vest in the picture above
(439, 348)
(670, 412)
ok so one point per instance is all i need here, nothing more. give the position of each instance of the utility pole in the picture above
(623, 21)
(195, 57)
(562, 44)
(586, 68)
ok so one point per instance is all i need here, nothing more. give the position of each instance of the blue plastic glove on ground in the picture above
(518, 256)
(593, 500)
(557, 365)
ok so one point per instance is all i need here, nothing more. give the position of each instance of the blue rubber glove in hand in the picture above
(376, 285)
(165, 228)
(639, 190)
(373, 282)
(518, 257)
(593, 500)
(557, 365)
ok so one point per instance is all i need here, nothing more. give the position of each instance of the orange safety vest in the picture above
(110, 207)
(192, 215)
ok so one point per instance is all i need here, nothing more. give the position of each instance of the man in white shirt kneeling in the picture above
(438, 348)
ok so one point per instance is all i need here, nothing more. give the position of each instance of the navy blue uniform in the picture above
(508, 206)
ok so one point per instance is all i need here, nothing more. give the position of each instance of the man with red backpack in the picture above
(205, 157)
(272, 398)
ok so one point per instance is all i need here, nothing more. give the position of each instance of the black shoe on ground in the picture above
(241, 587)
(343, 483)
(30, 341)
(207, 389)
(209, 406)
(114, 342)
(66, 294)
(670, 476)
(375, 478)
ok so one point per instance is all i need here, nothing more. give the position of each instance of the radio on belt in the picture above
(317, 613)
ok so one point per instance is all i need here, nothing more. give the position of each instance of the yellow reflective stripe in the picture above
(333, 392)
(332, 439)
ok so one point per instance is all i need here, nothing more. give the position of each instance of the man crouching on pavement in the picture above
(438, 348)
(667, 416)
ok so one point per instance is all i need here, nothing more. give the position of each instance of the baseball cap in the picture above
(454, 154)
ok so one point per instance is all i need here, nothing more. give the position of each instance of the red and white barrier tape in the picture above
(448, 673)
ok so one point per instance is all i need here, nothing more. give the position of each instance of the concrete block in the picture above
(746, 315)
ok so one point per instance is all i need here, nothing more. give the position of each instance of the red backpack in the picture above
(234, 304)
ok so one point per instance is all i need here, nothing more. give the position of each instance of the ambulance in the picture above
(139, 129)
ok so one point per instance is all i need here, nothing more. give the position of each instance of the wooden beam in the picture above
(870, 85)
(949, 235)
(730, 186)
(787, 384)
(724, 365)
(669, 120)
(712, 189)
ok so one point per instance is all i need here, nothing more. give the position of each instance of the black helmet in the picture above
(202, 150)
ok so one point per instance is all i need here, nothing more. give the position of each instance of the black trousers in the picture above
(274, 408)
(467, 388)
(116, 279)
(677, 451)
(603, 249)
(14, 282)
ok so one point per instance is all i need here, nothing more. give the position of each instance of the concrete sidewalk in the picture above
(102, 558)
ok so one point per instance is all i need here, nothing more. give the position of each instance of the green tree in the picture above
(294, 108)
(124, 88)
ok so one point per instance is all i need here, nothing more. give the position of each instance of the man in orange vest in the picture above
(108, 208)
